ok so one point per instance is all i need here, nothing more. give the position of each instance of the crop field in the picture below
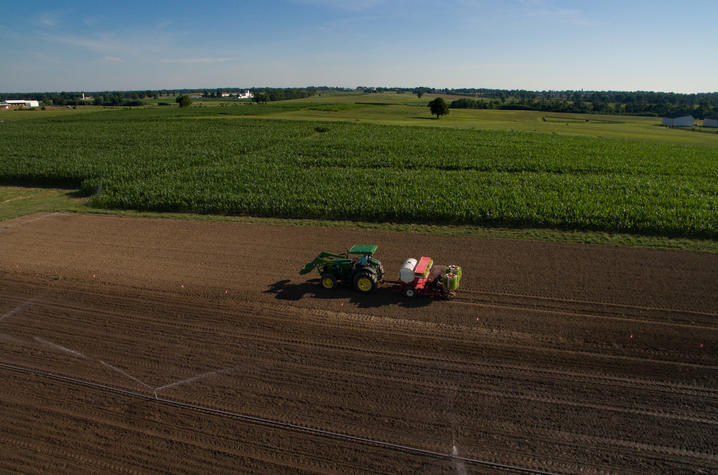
(211, 160)
(135, 345)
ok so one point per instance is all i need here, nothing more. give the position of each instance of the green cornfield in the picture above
(221, 163)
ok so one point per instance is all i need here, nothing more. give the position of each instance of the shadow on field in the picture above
(383, 296)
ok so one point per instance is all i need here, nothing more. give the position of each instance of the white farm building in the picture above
(20, 103)
(710, 122)
(679, 121)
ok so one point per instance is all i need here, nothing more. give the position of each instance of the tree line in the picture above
(100, 98)
(137, 98)
(578, 105)
(699, 105)
(283, 94)
(648, 103)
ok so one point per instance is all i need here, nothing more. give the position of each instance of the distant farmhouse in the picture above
(245, 95)
(682, 120)
(710, 122)
(20, 103)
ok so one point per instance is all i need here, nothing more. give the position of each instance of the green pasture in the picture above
(20, 201)
(408, 109)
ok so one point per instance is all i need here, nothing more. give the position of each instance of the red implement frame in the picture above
(421, 267)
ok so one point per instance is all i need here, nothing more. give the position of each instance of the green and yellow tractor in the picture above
(357, 267)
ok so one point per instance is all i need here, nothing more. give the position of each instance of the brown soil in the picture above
(553, 357)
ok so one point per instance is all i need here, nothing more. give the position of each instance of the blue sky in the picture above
(513, 44)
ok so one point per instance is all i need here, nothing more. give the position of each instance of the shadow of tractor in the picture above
(384, 295)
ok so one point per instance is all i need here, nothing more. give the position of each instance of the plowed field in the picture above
(162, 345)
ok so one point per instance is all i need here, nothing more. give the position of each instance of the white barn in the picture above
(21, 103)
(710, 122)
(679, 121)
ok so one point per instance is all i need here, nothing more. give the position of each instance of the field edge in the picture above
(16, 202)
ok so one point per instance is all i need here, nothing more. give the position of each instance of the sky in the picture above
(629, 45)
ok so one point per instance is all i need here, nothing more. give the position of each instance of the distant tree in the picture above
(261, 97)
(420, 91)
(438, 107)
(703, 110)
(184, 100)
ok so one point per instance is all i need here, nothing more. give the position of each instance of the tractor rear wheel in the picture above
(365, 281)
(328, 281)
(381, 269)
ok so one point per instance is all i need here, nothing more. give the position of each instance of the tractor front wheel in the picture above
(365, 282)
(410, 292)
(328, 281)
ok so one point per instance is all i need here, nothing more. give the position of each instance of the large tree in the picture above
(438, 107)
(260, 97)
(184, 101)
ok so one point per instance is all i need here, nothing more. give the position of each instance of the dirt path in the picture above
(158, 341)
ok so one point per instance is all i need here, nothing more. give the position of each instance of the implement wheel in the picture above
(328, 281)
(365, 281)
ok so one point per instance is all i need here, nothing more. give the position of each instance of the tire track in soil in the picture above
(324, 344)
(335, 347)
(210, 440)
(547, 439)
(620, 316)
(681, 455)
(267, 310)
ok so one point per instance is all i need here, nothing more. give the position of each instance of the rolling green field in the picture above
(407, 109)
(222, 160)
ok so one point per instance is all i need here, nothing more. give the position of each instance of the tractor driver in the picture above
(362, 261)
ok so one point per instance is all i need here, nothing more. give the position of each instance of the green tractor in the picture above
(356, 267)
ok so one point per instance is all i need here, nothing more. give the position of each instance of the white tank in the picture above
(406, 273)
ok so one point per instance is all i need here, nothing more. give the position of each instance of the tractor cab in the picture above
(361, 254)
